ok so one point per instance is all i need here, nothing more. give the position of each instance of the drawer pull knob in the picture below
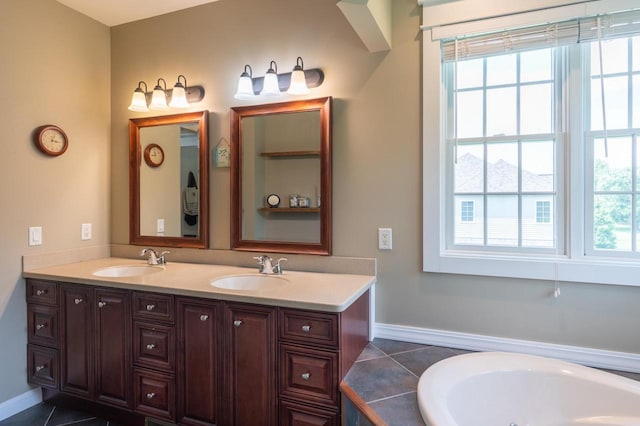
(150, 395)
(306, 328)
(204, 317)
(237, 323)
(77, 301)
(151, 307)
(40, 367)
(40, 292)
(305, 376)
(40, 326)
(151, 346)
(102, 304)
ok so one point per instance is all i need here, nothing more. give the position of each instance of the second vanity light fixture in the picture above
(181, 95)
(272, 84)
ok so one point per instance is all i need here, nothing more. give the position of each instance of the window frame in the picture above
(570, 263)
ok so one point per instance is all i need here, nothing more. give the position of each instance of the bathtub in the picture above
(507, 389)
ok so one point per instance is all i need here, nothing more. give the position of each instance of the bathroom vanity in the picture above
(169, 345)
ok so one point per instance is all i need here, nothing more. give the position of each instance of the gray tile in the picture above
(393, 347)
(370, 352)
(64, 417)
(380, 378)
(34, 416)
(401, 410)
(633, 376)
(419, 360)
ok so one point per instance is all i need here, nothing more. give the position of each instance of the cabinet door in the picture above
(198, 362)
(113, 347)
(76, 347)
(251, 364)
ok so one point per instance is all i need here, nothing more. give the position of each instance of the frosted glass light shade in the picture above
(158, 100)
(271, 87)
(298, 84)
(138, 101)
(179, 97)
(245, 88)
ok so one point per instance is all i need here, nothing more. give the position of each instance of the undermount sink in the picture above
(127, 271)
(250, 282)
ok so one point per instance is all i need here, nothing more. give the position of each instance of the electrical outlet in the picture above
(86, 231)
(160, 226)
(35, 235)
(385, 238)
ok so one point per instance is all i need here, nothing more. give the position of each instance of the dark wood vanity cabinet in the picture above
(190, 360)
(96, 349)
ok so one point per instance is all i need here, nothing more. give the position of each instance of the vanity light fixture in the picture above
(271, 86)
(181, 96)
(139, 99)
(159, 97)
(296, 82)
(245, 85)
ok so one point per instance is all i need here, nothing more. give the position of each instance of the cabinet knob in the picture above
(78, 301)
(151, 346)
(150, 395)
(204, 317)
(40, 326)
(102, 304)
(40, 367)
(237, 323)
(306, 328)
(305, 376)
(40, 292)
(151, 307)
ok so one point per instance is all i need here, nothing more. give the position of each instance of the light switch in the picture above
(35, 235)
(86, 231)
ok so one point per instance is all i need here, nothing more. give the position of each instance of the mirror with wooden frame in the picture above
(281, 177)
(169, 180)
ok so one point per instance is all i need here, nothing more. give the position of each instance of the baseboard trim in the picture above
(623, 361)
(20, 403)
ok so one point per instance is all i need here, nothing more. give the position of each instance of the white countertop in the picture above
(304, 290)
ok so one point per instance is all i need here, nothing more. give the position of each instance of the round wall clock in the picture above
(273, 200)
(153, 155)
(51, 140)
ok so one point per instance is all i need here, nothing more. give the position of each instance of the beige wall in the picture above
(55, 69)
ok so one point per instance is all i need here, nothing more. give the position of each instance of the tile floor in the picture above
(386, 374)
(45, 414)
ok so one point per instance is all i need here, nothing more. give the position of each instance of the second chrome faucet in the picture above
(266, 266)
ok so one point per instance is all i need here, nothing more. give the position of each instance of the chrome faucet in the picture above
(266, 265)
(154, 258)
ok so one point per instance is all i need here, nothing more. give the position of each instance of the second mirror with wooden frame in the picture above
(281, 177)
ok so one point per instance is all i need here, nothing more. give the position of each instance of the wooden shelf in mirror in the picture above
(290, 210)
(291, 154)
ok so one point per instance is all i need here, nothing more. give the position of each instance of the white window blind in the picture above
(620, 24)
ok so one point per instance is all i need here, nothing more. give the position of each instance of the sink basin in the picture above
(250, 282)
(127, 271)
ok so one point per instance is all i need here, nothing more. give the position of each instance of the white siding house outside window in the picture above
(538, 179)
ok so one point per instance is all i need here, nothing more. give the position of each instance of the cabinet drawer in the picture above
(153, 306)
(154, 394)
(154, 346)
(42, 365)
(42, 292)
(309, 327)
(295, 414)
(309, 374)
(43, 325)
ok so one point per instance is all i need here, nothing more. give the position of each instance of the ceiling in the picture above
(116, 12)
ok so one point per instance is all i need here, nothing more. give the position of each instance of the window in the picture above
(538, 166)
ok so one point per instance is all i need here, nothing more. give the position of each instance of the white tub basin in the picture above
(250, 282)
(127, 271)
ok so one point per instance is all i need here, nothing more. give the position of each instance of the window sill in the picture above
(586, 269)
